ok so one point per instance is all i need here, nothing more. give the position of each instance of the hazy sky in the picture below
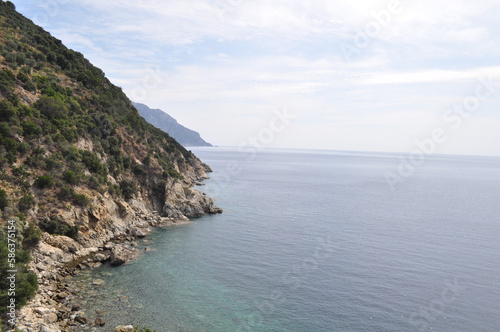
(357, 75)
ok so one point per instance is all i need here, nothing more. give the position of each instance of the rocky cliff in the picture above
(80, 166)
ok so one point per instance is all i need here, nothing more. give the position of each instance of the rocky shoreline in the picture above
(55, 307)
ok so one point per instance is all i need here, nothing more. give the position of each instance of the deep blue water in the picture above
(318, 241)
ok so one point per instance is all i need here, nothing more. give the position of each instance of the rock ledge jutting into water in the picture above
(56, 257)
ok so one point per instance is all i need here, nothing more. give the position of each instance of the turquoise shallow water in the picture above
(317, 241)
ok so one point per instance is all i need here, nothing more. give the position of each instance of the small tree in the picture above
(128, 188)
(4, 201)
(71, 177)
(81, 200)
(44, 181)
(26, 202)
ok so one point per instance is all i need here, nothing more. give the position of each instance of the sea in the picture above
(319, 241)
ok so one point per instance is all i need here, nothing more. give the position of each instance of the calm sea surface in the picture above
(318, 241)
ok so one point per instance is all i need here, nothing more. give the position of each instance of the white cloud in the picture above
(231, 62)
(432, 76)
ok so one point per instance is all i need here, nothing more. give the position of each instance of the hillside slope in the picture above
(168, 124)
(77, 160)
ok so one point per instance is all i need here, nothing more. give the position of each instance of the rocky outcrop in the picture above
(185, 201)
(107, 233)
(121, 253)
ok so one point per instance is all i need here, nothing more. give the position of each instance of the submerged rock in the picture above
(98, 282)
(99, 322)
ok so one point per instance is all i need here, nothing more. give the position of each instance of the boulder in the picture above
(100, 258)
(122, 254)
(140, 233)
(50, 318)
(44, 328)
(124, 328)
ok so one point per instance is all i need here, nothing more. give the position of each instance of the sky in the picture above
(358, 75)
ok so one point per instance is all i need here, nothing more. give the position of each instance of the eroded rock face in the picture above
(182, 201)
(107, 229)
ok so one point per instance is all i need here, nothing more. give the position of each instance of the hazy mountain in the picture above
(168, 124)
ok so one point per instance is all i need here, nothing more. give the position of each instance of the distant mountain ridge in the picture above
(168, 124)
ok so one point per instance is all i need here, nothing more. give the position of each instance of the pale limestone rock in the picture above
(122, 254)
(50, 318)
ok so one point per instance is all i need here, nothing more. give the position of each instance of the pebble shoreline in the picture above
(56, 307)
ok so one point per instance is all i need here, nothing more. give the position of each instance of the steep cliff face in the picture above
(72, 145)
(76, 158)
(168, 124)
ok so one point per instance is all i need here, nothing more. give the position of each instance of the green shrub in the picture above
(72, 154)
(53, 162)
(22, 77)
(10, 4)
(10, 145)
(71, 177)
(93, 163)
(5, 130)
(26, 281)
(4, 200)
(7, 78)
(128, 188)
(114, 190)
(56, 226)
(20, 172)
(23, 148)
(26, 202)
(31, 129)
(7, 110)
(30, 86)
(44, 181)
(11, 157)
(138, 170)
(81, 200)
(31, 236)
(52, 107)
(66, 193)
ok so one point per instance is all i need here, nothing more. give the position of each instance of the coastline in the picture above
(55, 307)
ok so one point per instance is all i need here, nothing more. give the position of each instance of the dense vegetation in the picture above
(67, 136)
(15, 256)
(52, 98)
